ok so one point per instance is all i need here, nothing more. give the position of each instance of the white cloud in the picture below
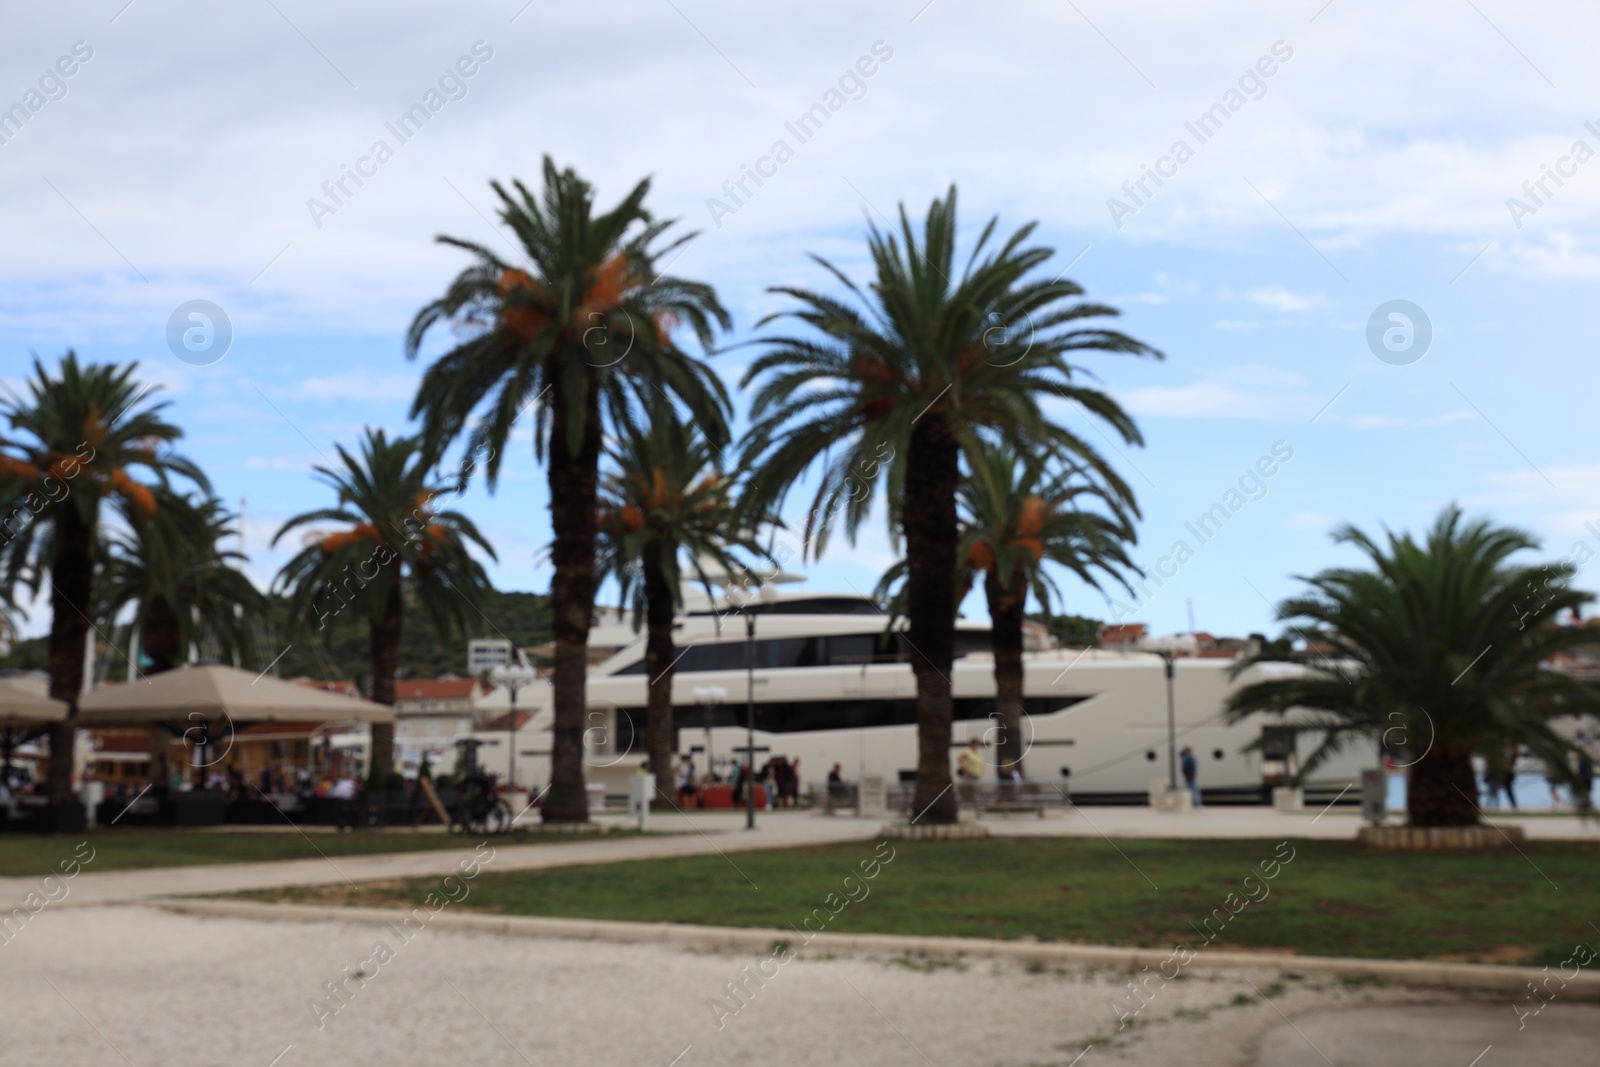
(355, 385)
(1240, 392)
(1311, 520)
(1278, 298)
(284, 463)
(1235, 324)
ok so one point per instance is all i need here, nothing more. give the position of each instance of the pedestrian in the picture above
(794, 782)
(1191, 774)
(685, 780)
(969, 768)
(1583, 794)
(343, 794)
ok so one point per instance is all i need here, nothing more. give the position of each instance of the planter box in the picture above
(1441, 838)
(67, 817)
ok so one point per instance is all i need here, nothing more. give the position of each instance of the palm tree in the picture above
(186, 588)
(665, 495)
(1433, 655)
(398, 546)
(1020, 512)
(71, 445)
(928, 367)
(582, 332)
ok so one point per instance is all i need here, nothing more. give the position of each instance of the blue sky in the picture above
(1375, 163)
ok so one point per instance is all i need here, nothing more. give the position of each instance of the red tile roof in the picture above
(499, 722)
(436, 689)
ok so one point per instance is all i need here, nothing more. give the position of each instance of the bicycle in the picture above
(478, 808)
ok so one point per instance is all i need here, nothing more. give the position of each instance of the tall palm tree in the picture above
(582, 332)
(1019, 513)
(1435, 656)
(71, 443)
(398, 545)
(186, 589)
(665, 496)
(923, 368)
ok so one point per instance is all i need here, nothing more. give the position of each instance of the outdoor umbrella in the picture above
(24, 701)
(190, 694)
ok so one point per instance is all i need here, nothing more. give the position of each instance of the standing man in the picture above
(1191, 771)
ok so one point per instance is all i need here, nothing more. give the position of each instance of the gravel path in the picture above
(128, 984)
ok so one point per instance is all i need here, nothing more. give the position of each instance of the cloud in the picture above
(283, 463)
(1280, 299)
(1241, 392)
(1235, 324)
(353, 385)
(1377, 422)
(1311, 520)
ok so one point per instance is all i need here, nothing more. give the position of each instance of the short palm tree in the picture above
(185, 587)
(582, 332)
(897, 384)
(1019, 513)
(398, 545)
(665, 496)
(70, 446)
(1434, 656)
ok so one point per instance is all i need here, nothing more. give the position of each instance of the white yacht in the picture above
(832, 683)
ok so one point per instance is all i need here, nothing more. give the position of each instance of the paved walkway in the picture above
(1425, 1035)
(133, 985)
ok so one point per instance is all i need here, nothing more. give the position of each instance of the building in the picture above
(430, 717)
(487, 653)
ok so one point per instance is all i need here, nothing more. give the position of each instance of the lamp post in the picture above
(750, 721)
(513, 678)
(711, 697)
(1172, 729)
(1168, 648)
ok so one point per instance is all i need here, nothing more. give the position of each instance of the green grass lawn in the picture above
(1331, 899)
(122, 850)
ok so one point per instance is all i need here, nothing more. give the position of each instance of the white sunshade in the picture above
(215, 692)
(27, 700)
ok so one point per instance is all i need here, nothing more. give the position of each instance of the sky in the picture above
(1316, 162)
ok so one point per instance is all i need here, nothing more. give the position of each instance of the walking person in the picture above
(1191, 774)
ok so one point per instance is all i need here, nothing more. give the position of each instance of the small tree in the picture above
(1438, 651)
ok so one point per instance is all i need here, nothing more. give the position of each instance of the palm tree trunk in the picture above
(659, 655)
(1005, 617)
(1442, 790)
(161, 639)
(71, 590)
(929, 519)
(384, 639)
(161, 636)
(573, 479)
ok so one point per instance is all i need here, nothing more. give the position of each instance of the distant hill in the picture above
(342, 651)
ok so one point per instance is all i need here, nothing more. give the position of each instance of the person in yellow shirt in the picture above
(969, 766)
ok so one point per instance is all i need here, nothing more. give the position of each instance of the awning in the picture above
(27, 700)
(199, 694)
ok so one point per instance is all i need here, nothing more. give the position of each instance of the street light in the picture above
(513, 677)
(711, 696)
(769, 596)
(1168, 648)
